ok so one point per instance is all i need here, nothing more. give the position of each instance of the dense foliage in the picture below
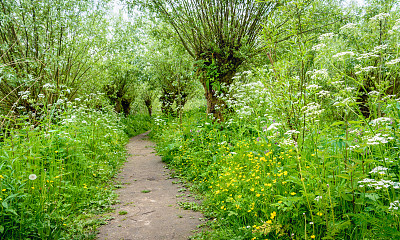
(311, 156)
(283, 115)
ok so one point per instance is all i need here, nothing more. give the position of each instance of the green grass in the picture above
(255, 188)
(54, 177)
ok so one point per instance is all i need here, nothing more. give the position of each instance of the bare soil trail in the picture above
(148, 208)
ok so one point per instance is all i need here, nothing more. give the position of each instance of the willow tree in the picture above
(219, 34)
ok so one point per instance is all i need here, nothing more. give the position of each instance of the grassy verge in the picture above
(257, 186)
(54, 176)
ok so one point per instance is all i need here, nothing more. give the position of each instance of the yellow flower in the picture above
(312, 236)
(4, 190)
(273, 215)
(279, 201)
(319, 213)
(1, 176)
(269, 222)
(258, 195)
(252, 189)
(292, 193)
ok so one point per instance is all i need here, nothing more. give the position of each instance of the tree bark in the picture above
(216, 105)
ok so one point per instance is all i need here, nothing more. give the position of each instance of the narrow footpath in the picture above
(148, 208)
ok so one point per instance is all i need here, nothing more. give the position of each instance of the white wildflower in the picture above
(326, 36)
(290, 132)
(366, 69)
(32, 177)
(394, 205)
(317, 198)
(367, 55)
(273, 126)
(318, 47)
(374, 93)
(380, 16)
(379, 169)
(341, 55)
(381, 120)
(376, 140)
(323, 93)
(348, 26)
(393, 62)
(313, 87)
(380, 48)
(48, 86)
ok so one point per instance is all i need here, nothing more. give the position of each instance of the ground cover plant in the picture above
(54, 175)
(301, 156)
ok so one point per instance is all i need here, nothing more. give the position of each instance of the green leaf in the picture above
(1, 229)
(345, 176)
(337, 123)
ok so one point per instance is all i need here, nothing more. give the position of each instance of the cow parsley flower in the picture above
(394, 205)
(349, 26)
(341, 55)
(393, 62)
(326, 36)
(318, 47)
(380, 16)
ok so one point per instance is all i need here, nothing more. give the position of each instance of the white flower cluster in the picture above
(24, 94)
(273, 126)
(326, 36)
(394, 205)
(323, 93)
(393, 62)
(380, 48)
(378, 139)
(48, 86)
(374, 93)
(341, 55)
(288, 142)
(318, 47)
(381, 120)
(395, 27)
(159, 121)
(349, 89)
(317, 198)
(366, 69)
(290, 132)
(312, 110)
(313, 87)
(380, 16)
(318, 74)
(353, 147)
(379, 169)
(379, 184)
(337, 83)
(349, 26)
(344, 102)
(367, 55)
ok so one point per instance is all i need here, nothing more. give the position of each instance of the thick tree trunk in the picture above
(148, 104)
(216, 105)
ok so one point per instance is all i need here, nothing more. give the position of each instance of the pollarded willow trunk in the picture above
(213, 91)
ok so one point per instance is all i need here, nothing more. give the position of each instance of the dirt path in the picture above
(149, 199)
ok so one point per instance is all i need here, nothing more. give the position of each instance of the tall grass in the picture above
(54, 175)
(311, 157)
